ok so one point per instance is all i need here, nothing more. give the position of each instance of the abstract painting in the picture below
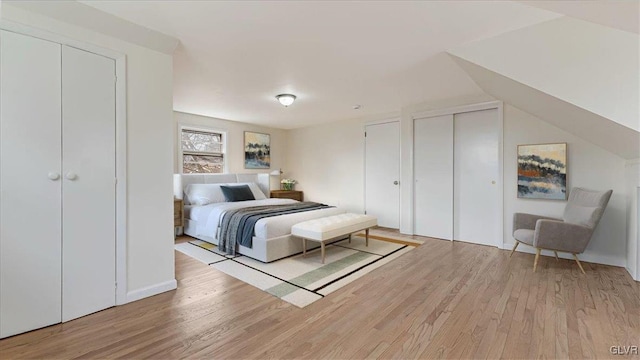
(257, 150)
(542, 171)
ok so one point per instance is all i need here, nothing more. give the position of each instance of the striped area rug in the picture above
(302, 280)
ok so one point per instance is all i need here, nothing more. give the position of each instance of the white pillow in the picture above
(255, 189)
(203, 194)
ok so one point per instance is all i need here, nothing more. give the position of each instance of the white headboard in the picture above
(180, 181)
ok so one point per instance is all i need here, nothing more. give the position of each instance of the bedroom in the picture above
(319, 141)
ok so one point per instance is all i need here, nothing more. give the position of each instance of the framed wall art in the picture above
(257, 150)
(542, 171)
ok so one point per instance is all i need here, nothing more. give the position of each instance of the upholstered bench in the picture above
(329, 228)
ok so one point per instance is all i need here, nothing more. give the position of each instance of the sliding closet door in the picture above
(477, 200)
(30, 243)
(433, 175)
(88, 132)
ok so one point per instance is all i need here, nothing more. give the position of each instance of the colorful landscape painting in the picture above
(542, 171)
(257, 150)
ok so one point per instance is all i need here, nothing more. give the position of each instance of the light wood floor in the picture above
(442, 300)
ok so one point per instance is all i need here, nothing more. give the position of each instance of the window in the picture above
(202, 151)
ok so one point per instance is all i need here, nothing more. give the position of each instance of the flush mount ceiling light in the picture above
(286, 99)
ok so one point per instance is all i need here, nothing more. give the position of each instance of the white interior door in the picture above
(382, 173)
(30, 198)
(477, 200)
(88, 132)
(433, 176)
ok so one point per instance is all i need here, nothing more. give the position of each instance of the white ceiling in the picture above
(235, 56)
(600, 75)
(91, 18)
(618, 14)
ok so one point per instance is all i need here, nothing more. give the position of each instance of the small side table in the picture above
(178, 214)
(287, 194)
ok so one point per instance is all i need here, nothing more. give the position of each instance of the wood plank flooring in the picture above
(442, 300)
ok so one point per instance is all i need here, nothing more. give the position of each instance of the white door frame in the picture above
(364, 160)
(452, 111)
(120, 182)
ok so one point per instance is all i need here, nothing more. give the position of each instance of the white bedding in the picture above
(208, 217)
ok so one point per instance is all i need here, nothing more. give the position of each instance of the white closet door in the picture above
(88, 132)
(433, 175)
(477, 201)
(382, 173)
(30, 210)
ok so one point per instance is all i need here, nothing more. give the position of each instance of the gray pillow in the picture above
(237, 193)
(581, 215)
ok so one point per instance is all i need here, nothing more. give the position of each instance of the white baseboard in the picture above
(632, 274)
(151, 290)
(585, 257)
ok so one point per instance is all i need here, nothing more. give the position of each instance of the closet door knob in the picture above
(53, 176)
(71, 176)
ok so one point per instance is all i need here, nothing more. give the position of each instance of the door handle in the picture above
(396, 182)
(53, 176)
(71, 176)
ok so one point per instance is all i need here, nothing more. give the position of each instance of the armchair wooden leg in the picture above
(579, 265)
(514, 248)
(535, 262)
(556, 253)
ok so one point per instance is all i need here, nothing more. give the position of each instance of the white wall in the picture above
(632, 179)
(599, 75)
(328, 163)
(235, 141)
(587, 166)
(635, 234)
(150, 255)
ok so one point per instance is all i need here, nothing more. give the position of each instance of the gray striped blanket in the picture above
(238, 226)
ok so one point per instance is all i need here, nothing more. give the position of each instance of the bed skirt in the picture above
(265, 250)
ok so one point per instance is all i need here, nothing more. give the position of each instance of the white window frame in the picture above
(225, 169)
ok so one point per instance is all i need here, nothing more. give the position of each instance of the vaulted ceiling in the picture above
(235, 56)
(574, 74)
(574, 64)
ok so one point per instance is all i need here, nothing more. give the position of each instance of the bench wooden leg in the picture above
(322, 249)
(304, 247)
(350, 238)
(366, 237)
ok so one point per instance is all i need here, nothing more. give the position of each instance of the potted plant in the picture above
(288, 184)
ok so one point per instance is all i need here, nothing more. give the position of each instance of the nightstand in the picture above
(287, 194)
(178, 212)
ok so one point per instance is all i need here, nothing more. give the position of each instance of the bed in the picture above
(272, 239)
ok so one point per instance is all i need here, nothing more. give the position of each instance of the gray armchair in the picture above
(570, 234)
